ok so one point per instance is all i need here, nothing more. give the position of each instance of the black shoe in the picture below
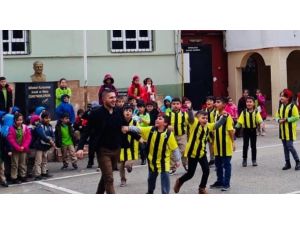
(89, 166)
(216, 185)
(4, 184)
(75, 166)
(143, 162)
(15, 181)
(38, 178)
(129, 169)
(297, 167)
(287, 166)
(24, 179)
(65, 166)
(254, 163)
(47, 175)
(244, 164)
(211, 162)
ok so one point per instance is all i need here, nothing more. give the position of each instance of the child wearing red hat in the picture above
(136, 90)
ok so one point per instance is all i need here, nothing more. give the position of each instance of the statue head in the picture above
(38, 67)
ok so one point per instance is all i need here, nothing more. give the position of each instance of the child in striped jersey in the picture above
(287, 117)
(210, 109)
(161, 144)
(129, 145)
(196, 148)
(223, 147)
(249, 119)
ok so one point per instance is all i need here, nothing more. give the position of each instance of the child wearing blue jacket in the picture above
(65, 107)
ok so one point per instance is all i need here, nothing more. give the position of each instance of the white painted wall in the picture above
(241, 40)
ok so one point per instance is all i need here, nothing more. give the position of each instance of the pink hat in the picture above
(34, 118)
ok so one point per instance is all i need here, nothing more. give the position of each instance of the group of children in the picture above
(161, 136)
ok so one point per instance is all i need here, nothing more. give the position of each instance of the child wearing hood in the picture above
(166, 108)
(149, 90)
(108, 82)
(136, 90)
(65, 107)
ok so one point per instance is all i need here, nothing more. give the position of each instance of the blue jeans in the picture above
(288, 147)
(164, 179)
(223, 167)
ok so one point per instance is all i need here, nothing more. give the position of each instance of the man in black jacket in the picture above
(5, 96)
(104, 133)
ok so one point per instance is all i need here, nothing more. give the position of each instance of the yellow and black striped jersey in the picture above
(160, 146)
(179, 122)
(223, 145)
(287, 130)
(249, 119)
(196, 146)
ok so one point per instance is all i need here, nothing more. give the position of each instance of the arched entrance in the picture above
(256, 75)
(293, 71)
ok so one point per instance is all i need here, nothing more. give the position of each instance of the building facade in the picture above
(267, 60)
(122, 53)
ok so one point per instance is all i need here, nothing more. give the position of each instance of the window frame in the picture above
(11, 40)
(137, 39)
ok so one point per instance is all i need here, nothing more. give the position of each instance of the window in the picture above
(15, 42)
(131, 41)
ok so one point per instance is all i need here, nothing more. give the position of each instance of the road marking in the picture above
(294, 192)
(269, 146)
(58, 188)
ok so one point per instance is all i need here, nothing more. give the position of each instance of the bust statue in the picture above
(38, 75)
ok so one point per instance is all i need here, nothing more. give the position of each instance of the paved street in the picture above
(267, 178)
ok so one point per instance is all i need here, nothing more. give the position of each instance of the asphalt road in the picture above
(266, 178)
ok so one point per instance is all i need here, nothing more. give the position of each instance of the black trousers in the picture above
(249, 135)
(192, 165)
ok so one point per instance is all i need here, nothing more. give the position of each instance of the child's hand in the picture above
(170, 128)
(125, 129)
(233, 147)
(22, 149)
(177, 164)
(10, 153)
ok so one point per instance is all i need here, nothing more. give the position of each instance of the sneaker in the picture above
(65, 166)
(185, 167)
(123, 183)
(46, 175)
(38, 178)
(225, 188)
(287, 166)
(143, 162)
(75, 166)
(177, 186)
(172, 171)
(23, 179)
(4, 184)
(16, 181)
(129, 169)
(216, 185)
(244, 163)
(211, 162)
(202, 191)
(98, 169)
(254, 163)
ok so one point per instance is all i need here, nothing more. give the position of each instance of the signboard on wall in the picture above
(28, 96)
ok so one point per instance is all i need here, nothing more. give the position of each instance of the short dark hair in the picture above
(222, 99)
(176, 99)
(140, 103)
(202, 113)
(107, 91)
(80, 111)
(2, 78)
(211, 98)
(127, 106)
(62, 79)
(45, 114)
(17, 115)
(65, 115)
(251, 98)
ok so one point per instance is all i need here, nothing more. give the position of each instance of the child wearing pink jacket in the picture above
(231, 109)
(19, 138)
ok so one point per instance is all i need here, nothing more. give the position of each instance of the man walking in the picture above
(104, 132)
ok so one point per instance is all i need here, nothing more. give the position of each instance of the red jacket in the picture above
(147, 97)
(141, 91)
(12, 138)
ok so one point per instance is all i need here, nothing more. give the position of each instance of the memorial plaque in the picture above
(28, 96)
